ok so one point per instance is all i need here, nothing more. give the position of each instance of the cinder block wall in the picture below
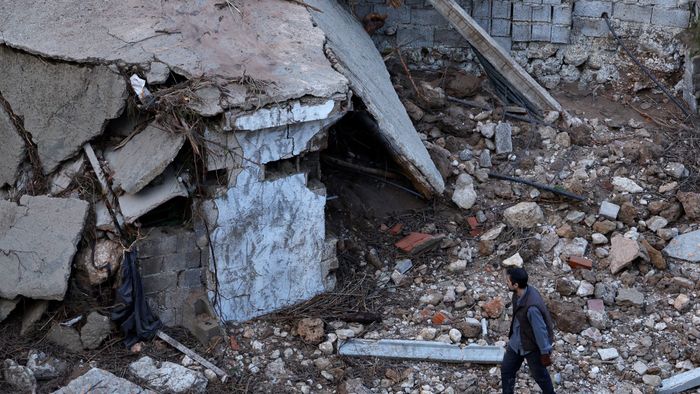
(171, 268)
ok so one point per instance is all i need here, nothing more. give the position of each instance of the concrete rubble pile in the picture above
(212, 151)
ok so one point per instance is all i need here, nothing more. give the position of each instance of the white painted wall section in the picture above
(277, 116)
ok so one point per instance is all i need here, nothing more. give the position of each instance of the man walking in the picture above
(531, 334)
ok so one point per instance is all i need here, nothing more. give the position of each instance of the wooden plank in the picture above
(497, 56)
(194, 356)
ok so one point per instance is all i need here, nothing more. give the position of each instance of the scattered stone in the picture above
(466, 154)
(414, 111)
(33, 312)
(652, 380)
(676, 170)
(493, 233)
(685, 247)
(503, 138)
(428, 333)
(96, 329)
(639, 367)
(626, 185)
(345, 333)
(6, 307)
(171, 377)
(464, 194)
(485, 159)
(599, 239)
(524, 215)
(457, 266)
(493, 308)
(585, 289)
(373, 258)
(418, 242)
(629, 297)
(575, 247)
(548, 241)
(455, 335)
(575, 216)
(95, 266)
(623, 252)
(605, 292)
(19, 377)
(486, 129)
(470, 327)
(310, 330)
(667, 233)
(44, 367)
(326, 347)
(655, 223)
(604, 227)
(567, 316)
(609, 210)
(691, 204)
(403, 265)
(566, 286)
(513, 261)
(681, 303)
(101, 382)
(608, 354)
(655, 256)
(38, 240)
(562, 139)
(353, 386)
(66, 337)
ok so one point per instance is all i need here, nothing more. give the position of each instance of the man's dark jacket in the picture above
(532, 298)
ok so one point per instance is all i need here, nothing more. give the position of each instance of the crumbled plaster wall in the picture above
(555, 40)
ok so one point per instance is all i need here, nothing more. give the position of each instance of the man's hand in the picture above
(546, 359)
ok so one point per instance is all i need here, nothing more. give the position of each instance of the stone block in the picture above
(158, 242)
(485, 23)
(521, 31)
(522, 12)
(190, 279)
(590, 27)
(151, 265)
(561, 34)
(500, 27)
(542, 13)
(429, 17)
(399, 15)
(505, 42)
(593, 9)
(159, 282)
(632, 13)
(561, 14)
(541, 32)
(501, 9)
(449, 38)
(482, 9)
(551, 2)
(415, 36)
(672, 18)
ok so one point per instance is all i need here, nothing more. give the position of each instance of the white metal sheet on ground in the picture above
(422, 350)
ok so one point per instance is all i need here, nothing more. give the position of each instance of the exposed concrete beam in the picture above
(681, 382)
(421, 350)
(496, 55)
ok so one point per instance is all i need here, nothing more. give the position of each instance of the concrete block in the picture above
(485, 23)
(561, 14)
(561, 34)
(190, 279)
(421, 350)
(672, 18)
(159, 282)
(429, 17)
(632, 13)
(151, 265)
(482, 8)
(542, 13)
(501, 9)
(500, 27)
(660, 3)
(532, 1)
(504, 42)
(541, 32)
(590, 27)
(522, 12)
(449, 38)
(551, 2)
(593, 9)
(521, 31)
(415, 36)
(395, 15)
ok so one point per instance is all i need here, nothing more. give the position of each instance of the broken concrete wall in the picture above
(556, 41)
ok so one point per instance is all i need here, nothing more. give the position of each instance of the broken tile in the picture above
(143, 158)
(417, 242)
(38, 240)
(580, 262)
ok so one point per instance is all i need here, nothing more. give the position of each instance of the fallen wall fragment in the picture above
(422, 350)
(358, 59)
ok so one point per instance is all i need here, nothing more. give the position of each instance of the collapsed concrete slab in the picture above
(360, 61)
(11, 150)
(63, 105)
(134, 206)
(247, 50)
(38, 239)
(99, 381)
(143, 158)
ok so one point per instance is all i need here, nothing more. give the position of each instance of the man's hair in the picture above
(518, 276)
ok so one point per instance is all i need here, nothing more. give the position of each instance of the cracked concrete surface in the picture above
(193, 39)
(63, 105)
(11, 149)
(38, 240)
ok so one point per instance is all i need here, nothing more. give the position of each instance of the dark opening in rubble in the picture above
(307, 163)
(176, 211)
(359, 172)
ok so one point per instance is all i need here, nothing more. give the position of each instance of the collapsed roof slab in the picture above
(11, 149)
(360, 61)
(268, 45)
(38, 239)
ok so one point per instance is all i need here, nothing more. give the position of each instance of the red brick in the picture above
(396, 229)
(473, 223)
(493, 308)
(417, 242)
(440, 319)
(580, 262)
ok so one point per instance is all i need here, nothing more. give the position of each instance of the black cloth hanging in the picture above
(132, 313)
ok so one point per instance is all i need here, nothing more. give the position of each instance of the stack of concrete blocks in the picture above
(588, 18)
(541, 21)
(171, 265)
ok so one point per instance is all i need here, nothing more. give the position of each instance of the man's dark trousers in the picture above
(511, 364)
